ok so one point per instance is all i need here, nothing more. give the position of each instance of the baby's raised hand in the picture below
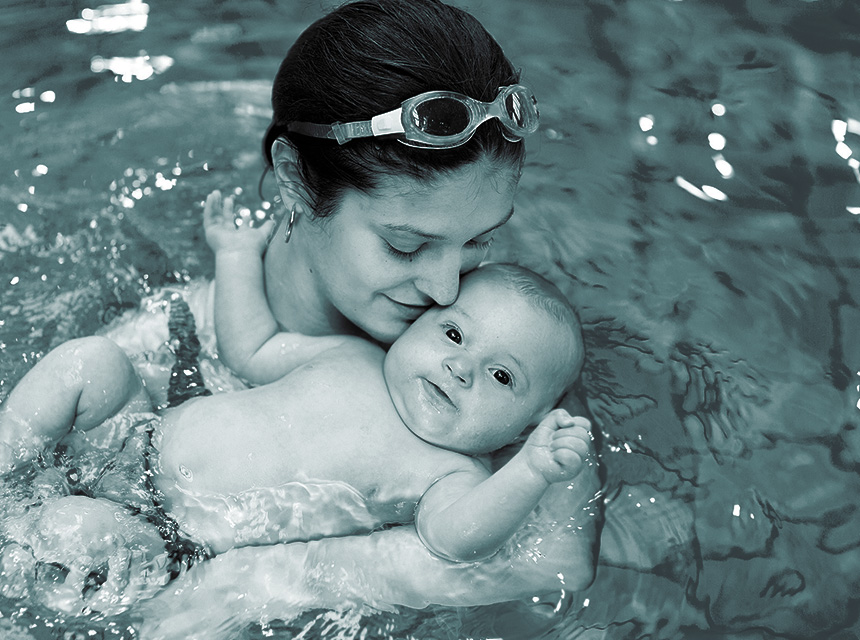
(560, 446)
(224, 234)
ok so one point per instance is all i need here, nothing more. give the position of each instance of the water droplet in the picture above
(186, 473)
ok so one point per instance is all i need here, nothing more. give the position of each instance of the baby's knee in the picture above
(99, 352)
(88, 345)
(102, 368)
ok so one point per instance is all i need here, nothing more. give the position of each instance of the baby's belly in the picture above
(296, 511)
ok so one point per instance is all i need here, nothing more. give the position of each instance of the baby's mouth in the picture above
(439, 393)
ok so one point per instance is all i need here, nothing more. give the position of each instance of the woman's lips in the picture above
(410, 310)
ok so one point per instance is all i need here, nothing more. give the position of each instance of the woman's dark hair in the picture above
(364, 59)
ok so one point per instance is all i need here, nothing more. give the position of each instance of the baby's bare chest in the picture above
(331, 420)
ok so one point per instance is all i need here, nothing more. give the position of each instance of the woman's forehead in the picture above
(444, 209)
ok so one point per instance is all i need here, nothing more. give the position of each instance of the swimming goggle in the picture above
(438, 119)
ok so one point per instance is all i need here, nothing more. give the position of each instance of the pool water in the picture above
(695, 188)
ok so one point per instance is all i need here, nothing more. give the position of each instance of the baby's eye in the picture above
(502, 377)
(454, 336)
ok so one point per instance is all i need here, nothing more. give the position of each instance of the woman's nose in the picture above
(441, 279)
(458, 368)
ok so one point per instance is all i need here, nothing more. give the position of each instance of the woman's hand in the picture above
(559, 447)
(225, 231)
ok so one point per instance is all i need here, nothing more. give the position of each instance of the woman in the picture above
(381, 217)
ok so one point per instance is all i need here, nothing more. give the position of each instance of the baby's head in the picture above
(471, 376)
(79, 555)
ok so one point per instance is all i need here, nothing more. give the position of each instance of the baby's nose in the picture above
(459, 369)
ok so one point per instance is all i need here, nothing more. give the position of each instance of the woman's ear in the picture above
(284, 161)
(286, 171)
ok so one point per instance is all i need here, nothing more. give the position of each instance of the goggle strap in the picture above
(337, 131)
(388, 123)
(344, 132)
(312, 130)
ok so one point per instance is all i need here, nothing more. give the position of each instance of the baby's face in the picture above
(470, 377)
(79, 555)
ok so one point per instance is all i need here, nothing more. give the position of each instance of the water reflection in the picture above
(726, 386)
(111, 18)
(137, 68)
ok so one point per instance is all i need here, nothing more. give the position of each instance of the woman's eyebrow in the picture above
(408, 228)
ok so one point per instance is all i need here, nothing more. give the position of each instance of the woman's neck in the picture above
(293, 291)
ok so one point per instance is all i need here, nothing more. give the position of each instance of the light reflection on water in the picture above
(694, 187)
(111, 18)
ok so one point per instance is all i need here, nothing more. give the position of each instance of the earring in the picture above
(290, 224)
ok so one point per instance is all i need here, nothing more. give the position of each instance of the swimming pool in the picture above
(694, 187)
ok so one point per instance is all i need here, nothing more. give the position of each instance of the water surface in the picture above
(694, 188)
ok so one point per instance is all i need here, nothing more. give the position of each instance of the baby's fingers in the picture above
(567, 459)
(571, 442)
(267, 227)
(212, 208)
(561, 419)
(217, 210)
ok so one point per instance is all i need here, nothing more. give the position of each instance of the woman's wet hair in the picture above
(364, 59)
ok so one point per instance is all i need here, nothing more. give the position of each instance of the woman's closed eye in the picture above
(480, 245)
(400, 254)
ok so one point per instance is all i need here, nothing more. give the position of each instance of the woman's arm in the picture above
(465, 517)
(554, 550)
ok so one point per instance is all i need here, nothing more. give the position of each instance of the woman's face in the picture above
(383, 258)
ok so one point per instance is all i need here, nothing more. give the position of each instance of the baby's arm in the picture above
(464, 517)
(249, 339)
(243, 320)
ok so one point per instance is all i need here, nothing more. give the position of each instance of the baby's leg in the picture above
(79, 384)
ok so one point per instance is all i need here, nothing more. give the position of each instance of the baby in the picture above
(347, 439)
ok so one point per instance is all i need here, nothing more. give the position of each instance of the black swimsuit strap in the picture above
(186, 380)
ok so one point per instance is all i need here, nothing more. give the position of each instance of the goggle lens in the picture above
(441, 117)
